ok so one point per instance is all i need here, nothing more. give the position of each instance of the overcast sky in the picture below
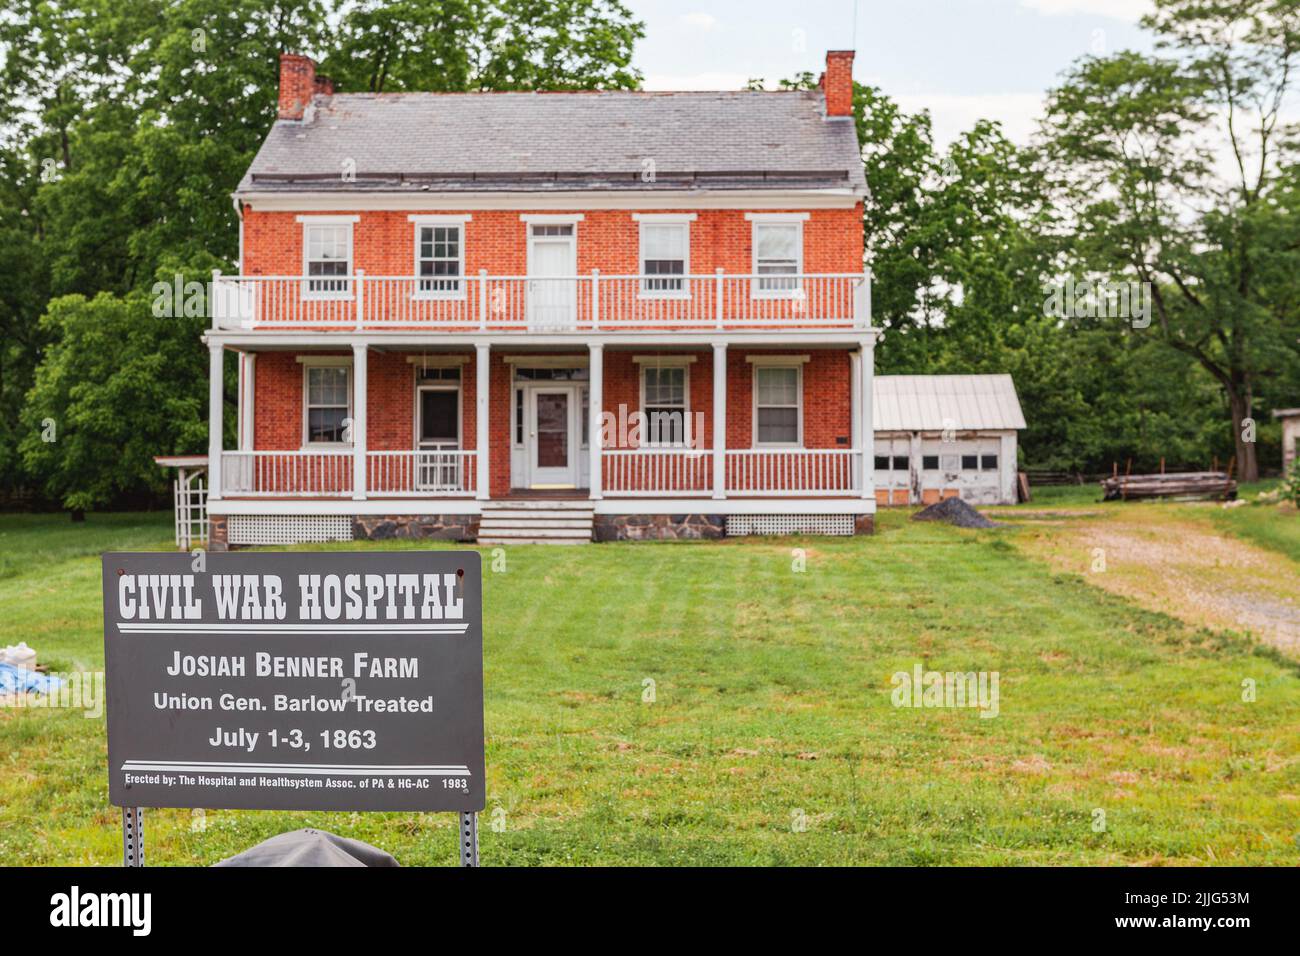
(961, 59)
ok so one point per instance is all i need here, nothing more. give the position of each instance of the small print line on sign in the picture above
(447, 770)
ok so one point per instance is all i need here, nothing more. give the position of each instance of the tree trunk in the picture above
(1247, 462)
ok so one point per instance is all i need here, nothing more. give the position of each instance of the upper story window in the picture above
(440, 256)
(778, 253)
(327, 256)
(665, 253)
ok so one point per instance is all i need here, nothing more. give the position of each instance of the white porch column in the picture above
(596, 404)
(482, 453)
(867, 436)
(719, 419)
(359, 414)
(247, 400)
(215, 417)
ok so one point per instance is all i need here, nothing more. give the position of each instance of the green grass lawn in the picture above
(772, 706)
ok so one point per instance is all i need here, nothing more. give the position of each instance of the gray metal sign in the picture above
(296, 681)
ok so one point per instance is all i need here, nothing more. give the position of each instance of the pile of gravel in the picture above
(954, 511)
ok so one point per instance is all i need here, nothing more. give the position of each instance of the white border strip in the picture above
(388, 770)
(174, 627)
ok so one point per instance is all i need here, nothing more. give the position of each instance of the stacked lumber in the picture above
(1186, 484)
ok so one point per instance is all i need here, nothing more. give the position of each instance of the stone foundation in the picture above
(217, 537)
(437, 527)
(658, 527)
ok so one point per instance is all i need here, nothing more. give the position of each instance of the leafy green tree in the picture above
(115, 387)
(464, 45)
(1133, 142)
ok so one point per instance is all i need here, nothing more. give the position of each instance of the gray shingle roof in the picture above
(560, 141)
(934, 402)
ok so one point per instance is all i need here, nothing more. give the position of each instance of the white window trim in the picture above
(668, 361)
(758, 220)
(323, 361)
(795, 363)
(683, 220)
(552, 219)
(307, 222)
(422, 222)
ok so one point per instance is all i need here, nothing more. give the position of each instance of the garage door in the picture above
(968, 467)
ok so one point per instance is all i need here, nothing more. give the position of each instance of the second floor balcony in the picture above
(590, 302)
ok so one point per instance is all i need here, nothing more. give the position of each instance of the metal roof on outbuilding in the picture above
(905, 403)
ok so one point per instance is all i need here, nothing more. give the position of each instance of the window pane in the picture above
(900, 463)
(882, 463)
(778, 386)
(776, 241)
(778, 426)
(439, 419)
(327, 386)
(969, 462)
(989, 462)
(665, 386)
(930, 462)
(325, 424)
(665, 425)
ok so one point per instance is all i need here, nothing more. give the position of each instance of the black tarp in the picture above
(310, 848)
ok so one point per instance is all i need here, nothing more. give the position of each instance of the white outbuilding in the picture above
(938, 436)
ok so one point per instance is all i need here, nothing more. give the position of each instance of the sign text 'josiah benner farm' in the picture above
(333, 681)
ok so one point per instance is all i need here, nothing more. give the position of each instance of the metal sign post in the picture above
(314, 681)
(132, 836)
(469, 839)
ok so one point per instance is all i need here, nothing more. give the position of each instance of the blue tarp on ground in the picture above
(16, 680)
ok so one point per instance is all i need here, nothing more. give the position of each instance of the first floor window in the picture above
(778, 256)
(327, 404)
(328, 254)
(664, 405)
(970, 462)
(663, 257)
(776, 403)
(989, 462)
(439, 260)
(930, 462)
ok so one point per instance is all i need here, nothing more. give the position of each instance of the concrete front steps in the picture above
(536, 521)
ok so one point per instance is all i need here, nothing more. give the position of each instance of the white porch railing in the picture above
(287, 474)
(588, 302)
(647, 472)
(795, 471)
(419, 473)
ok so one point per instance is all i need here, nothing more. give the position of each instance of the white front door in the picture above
(551, 442)
(552, 282)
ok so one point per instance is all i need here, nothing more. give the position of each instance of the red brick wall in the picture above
(609, 240)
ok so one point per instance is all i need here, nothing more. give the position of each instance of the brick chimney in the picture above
(837, 83)
(298, 82)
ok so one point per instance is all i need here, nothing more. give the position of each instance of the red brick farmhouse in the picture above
(522, 316)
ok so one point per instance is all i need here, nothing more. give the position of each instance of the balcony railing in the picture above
(579, 303)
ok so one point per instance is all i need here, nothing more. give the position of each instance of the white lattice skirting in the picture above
(789, 524)
(287, 529)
